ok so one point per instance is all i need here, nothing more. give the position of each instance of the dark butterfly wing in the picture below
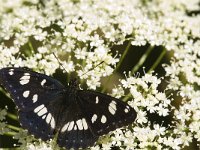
(105, 113)
(38, 97)
(91, 115)
(75, 132)
(30, 89)
(46, 107)
(36, 125)
(43, 121)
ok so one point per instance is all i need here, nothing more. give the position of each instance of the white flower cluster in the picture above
(145, 95)
(3, 126)
(40, 146)
(82, 33)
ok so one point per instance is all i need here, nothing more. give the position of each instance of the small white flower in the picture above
(42, 49)
(141, 117)
(118, 92)
(159, 130)
(41, 146)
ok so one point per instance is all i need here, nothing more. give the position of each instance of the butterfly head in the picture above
(74, 83)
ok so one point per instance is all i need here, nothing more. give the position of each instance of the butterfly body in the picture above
(46, 107)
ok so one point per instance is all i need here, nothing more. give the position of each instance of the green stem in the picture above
(9, 133)
(30, 46)
(158, 60)
(12, 116)
(13, 127)
(125, 99)
(123, 56)
(142, 60)
(5, 93)
(118, 64)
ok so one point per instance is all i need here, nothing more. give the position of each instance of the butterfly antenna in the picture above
(94, 67)
(59, 61)
(66, 70)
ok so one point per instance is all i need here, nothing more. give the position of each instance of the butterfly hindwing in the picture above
(105, 113)
(29, 89)
(36, 125)
(42, 121)
(75, 131)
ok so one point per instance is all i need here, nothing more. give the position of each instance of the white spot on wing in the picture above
(35, 98)
(64, 128)
(97, 100)
(38, 108)
(126, 110)
(71, 125)
(79, 124)
(43, 117)
(42, 111)
(103, 119)
(48, 119)
(53, 123)
(22, 82)
(25, 79)
(26, 74)
(85, 126)
(112, 107)
(26, 94)
(43, 82)
(11, 72)
(94, 118)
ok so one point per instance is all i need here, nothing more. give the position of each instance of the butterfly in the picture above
(46, 108)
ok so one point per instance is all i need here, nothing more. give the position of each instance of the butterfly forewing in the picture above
(38, 97)
(105, 113)
(30, 89)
